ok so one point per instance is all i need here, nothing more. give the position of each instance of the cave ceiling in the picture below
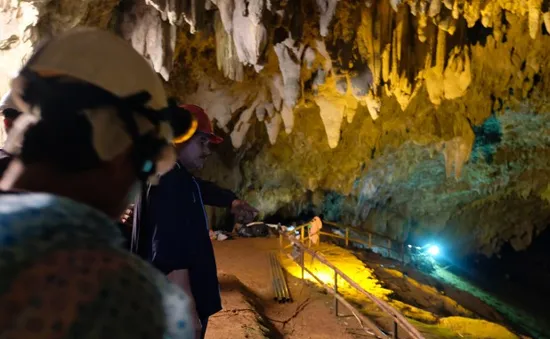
(408, 117)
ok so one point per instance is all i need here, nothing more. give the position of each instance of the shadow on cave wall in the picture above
(332, 207)
(487, 138)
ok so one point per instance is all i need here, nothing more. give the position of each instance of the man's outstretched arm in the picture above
(214, 195)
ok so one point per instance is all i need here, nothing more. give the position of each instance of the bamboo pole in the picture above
(335, 293)
(286, 290)
(276, 289)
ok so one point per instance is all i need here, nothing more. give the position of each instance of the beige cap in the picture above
(100, 58)
(103, 59)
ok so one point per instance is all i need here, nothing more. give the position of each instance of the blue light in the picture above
(433, 250)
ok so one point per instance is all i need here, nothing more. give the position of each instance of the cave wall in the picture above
(418, 119)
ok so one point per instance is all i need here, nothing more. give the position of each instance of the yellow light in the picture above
(183, 138)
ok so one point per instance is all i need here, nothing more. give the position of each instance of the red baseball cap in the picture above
(204, 125)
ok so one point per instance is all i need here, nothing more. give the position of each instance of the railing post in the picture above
(302, 234)
(335, 293)
(302, 261)
(347, 236)
(395, 327)
(370, 240)
(280, 240)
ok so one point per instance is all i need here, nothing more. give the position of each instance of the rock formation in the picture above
(411, 117)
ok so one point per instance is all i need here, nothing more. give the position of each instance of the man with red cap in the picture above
(171, 227)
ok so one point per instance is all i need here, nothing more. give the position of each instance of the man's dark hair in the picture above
(11, 113)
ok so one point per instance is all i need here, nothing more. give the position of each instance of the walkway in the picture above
(249, 309)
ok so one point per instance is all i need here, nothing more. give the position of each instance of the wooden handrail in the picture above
(361, 318)
(359, 230)
(397, 317)
(347, 238)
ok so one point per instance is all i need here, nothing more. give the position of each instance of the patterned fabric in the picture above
(63, 274)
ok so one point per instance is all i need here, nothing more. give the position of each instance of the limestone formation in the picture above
(408, 117)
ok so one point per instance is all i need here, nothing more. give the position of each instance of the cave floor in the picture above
(438, 308)
(249, 310)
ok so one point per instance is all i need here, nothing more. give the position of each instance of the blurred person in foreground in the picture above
(96, 125)
(171, 229)
(10, 113)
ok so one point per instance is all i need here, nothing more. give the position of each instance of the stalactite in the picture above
(534, 17)
(179, 11)
(326, 9)
(226, 55)
(226, 8)
(289, 53)
(151, 36)
(472, 11)
(435, 8)
(332, 115)
(546, 18)
(241, 128)
(273, 125)
(250, 38)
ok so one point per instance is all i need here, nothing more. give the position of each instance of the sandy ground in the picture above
(249, 309)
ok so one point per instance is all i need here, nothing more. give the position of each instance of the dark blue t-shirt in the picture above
(180, 237)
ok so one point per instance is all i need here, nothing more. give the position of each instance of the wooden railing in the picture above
(398, 319)
(396, 249)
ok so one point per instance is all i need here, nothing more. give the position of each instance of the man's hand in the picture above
(127, 215)
(244, 213)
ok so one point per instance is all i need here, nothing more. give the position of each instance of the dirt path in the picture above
(249, 309)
